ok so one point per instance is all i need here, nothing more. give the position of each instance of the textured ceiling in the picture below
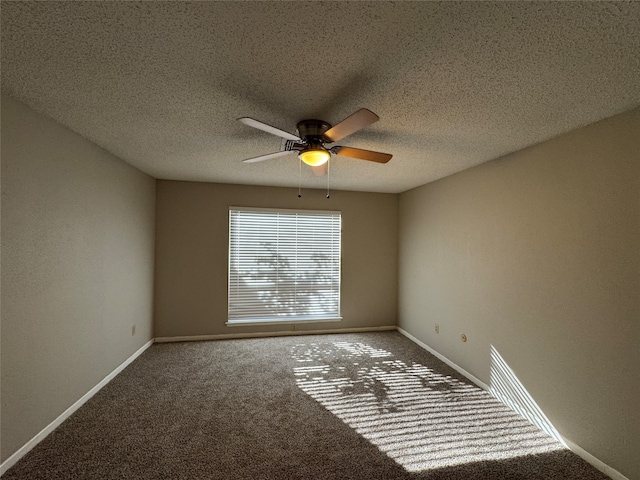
(161, 84)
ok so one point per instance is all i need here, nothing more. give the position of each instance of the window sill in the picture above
(285, 321)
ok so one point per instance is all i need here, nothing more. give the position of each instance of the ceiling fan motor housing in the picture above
(312, 130)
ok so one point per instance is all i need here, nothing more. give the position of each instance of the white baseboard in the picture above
(22, 451)
(587, 457)
(231, 336)
(456, 367)
(575, 448)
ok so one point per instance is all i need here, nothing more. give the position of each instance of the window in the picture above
(284, 266)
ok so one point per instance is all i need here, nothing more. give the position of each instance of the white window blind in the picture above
(284, 265)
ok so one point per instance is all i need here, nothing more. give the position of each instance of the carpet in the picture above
(347, 406)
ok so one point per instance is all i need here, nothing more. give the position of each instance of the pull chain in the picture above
(328, 176)
(299, 177)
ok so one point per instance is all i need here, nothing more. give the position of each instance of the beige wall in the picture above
(77, 269)
(192, 235)
(538, 255)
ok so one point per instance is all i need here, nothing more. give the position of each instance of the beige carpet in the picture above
(352, 406)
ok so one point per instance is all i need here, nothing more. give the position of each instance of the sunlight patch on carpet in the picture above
(418, 417)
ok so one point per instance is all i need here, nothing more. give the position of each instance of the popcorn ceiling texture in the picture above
(160, 84)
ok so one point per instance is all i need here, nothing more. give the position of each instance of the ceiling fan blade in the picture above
(362, 154)
(268, 128)
(362, 118)
(319, 171)
(268, 156)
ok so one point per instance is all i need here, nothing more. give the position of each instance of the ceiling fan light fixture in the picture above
(315, 155)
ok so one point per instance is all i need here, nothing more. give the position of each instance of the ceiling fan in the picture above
(313, 137)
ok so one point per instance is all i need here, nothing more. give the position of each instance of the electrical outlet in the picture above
(133, 329)
(437, 328)
(293, 328)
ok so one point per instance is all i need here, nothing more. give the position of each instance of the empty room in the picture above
(320, 240)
